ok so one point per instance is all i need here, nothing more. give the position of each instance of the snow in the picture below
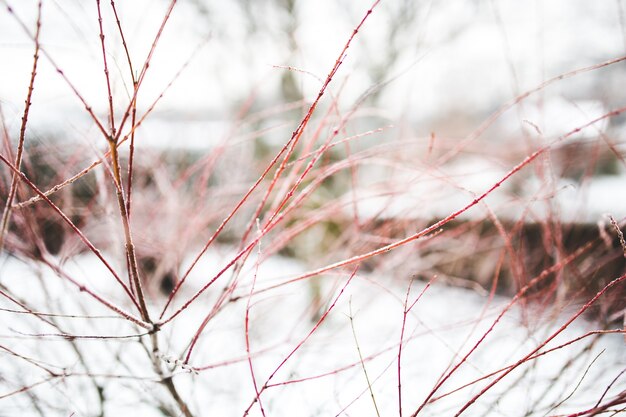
(442, 326)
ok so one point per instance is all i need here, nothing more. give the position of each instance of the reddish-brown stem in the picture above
(620, 399)
(247, 333)
(454, 215)
(241, 254)
(6, 214)
(407, 309)
(131, 156)
(278, 203)
(143, 71)
(496, 115)
(520, 294)
(96, 163)
(289, 146)
(300, 130)
(217, 232)
(608, 387)
(76, 230)
(58, 69)
(81, 287)
(29, 387)
(294, 140)
(27, 359)
(523, 360)
(106, 72)
(133, 270)
(303, 341)
(124, 207)
(545, 352)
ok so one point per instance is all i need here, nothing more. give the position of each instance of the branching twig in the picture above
(6, 214)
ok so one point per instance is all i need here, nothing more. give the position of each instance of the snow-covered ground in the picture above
(325, 376)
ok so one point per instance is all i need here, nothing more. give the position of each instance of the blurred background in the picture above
(435, 66)
(433, 104)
